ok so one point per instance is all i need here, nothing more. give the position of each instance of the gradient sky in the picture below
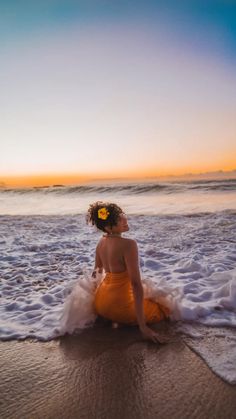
(117, 88)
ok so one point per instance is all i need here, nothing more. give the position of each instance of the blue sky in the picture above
(117, 87)
(21, 17)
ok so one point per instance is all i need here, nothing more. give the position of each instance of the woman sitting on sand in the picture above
(119, 297)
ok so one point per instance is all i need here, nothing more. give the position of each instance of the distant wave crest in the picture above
(128, 189)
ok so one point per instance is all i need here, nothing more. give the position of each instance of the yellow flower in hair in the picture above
(103, 213)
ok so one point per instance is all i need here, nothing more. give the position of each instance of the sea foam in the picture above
(187, 261)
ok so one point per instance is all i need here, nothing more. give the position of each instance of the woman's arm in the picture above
(98, 264)
(132, 264)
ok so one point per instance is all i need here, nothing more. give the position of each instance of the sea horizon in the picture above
(186, 177)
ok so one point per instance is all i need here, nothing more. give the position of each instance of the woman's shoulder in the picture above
(129, 242)
(124, 241)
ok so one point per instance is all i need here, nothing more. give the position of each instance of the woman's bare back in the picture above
(110, 253)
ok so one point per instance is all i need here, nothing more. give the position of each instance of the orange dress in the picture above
(114, 300)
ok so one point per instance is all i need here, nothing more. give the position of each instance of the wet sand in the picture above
(109, 373)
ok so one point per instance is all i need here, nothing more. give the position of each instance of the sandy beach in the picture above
(109, 373)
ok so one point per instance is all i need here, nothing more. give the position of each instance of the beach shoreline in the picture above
(104, 373)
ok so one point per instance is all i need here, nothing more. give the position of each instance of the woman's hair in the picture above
(103, 214)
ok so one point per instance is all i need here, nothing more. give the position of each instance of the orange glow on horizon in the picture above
(39, 180)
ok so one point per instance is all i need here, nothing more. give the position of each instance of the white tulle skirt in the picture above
(79, 310)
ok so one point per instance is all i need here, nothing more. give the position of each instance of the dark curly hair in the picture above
(112, 219)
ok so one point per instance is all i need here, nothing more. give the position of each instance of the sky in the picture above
(93, 89)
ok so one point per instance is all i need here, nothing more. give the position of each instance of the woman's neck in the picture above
(112, 235)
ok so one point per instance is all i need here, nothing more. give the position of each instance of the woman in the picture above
(119, 297)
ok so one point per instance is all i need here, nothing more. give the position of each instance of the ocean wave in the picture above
(129, 188)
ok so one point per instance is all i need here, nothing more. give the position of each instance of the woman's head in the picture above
(107, 217)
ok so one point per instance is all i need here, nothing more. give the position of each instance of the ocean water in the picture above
(186, 233)
(149, 198)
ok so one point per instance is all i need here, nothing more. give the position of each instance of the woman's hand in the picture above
(150, 334)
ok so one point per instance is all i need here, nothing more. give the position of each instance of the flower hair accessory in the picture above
(103, 213)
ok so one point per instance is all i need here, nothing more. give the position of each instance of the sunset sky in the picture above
(93, 89)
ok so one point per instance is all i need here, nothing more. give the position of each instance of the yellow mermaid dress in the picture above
(114, 300)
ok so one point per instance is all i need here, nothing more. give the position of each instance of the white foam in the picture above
(217, 346)
(188, 262)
